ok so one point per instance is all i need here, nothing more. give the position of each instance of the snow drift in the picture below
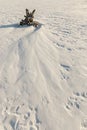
(28, 74)
(43, 71)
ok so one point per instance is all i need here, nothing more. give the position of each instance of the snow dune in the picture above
(28, 72)
(43, 71)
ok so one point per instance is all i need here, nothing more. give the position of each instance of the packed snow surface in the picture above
(43, 70)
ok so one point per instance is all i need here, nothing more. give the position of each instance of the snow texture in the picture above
(43, 70)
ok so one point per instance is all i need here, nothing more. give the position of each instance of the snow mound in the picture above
(43, 71)
(30, 82)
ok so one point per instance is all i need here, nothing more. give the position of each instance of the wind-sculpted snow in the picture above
(30, 82)
(43, 70)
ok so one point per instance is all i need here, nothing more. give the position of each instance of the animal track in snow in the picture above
(81, 94)
(84, 124)
(21, 117)
(76, 100)
(66, 67)
(64, 76)
(64, 70)
(73, 103)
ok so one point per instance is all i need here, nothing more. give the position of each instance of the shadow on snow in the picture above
(18, 26)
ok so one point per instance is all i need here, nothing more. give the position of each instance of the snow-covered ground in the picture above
(43, 71)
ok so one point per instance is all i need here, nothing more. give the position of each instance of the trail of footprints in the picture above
(75, 102)
(21, 117)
